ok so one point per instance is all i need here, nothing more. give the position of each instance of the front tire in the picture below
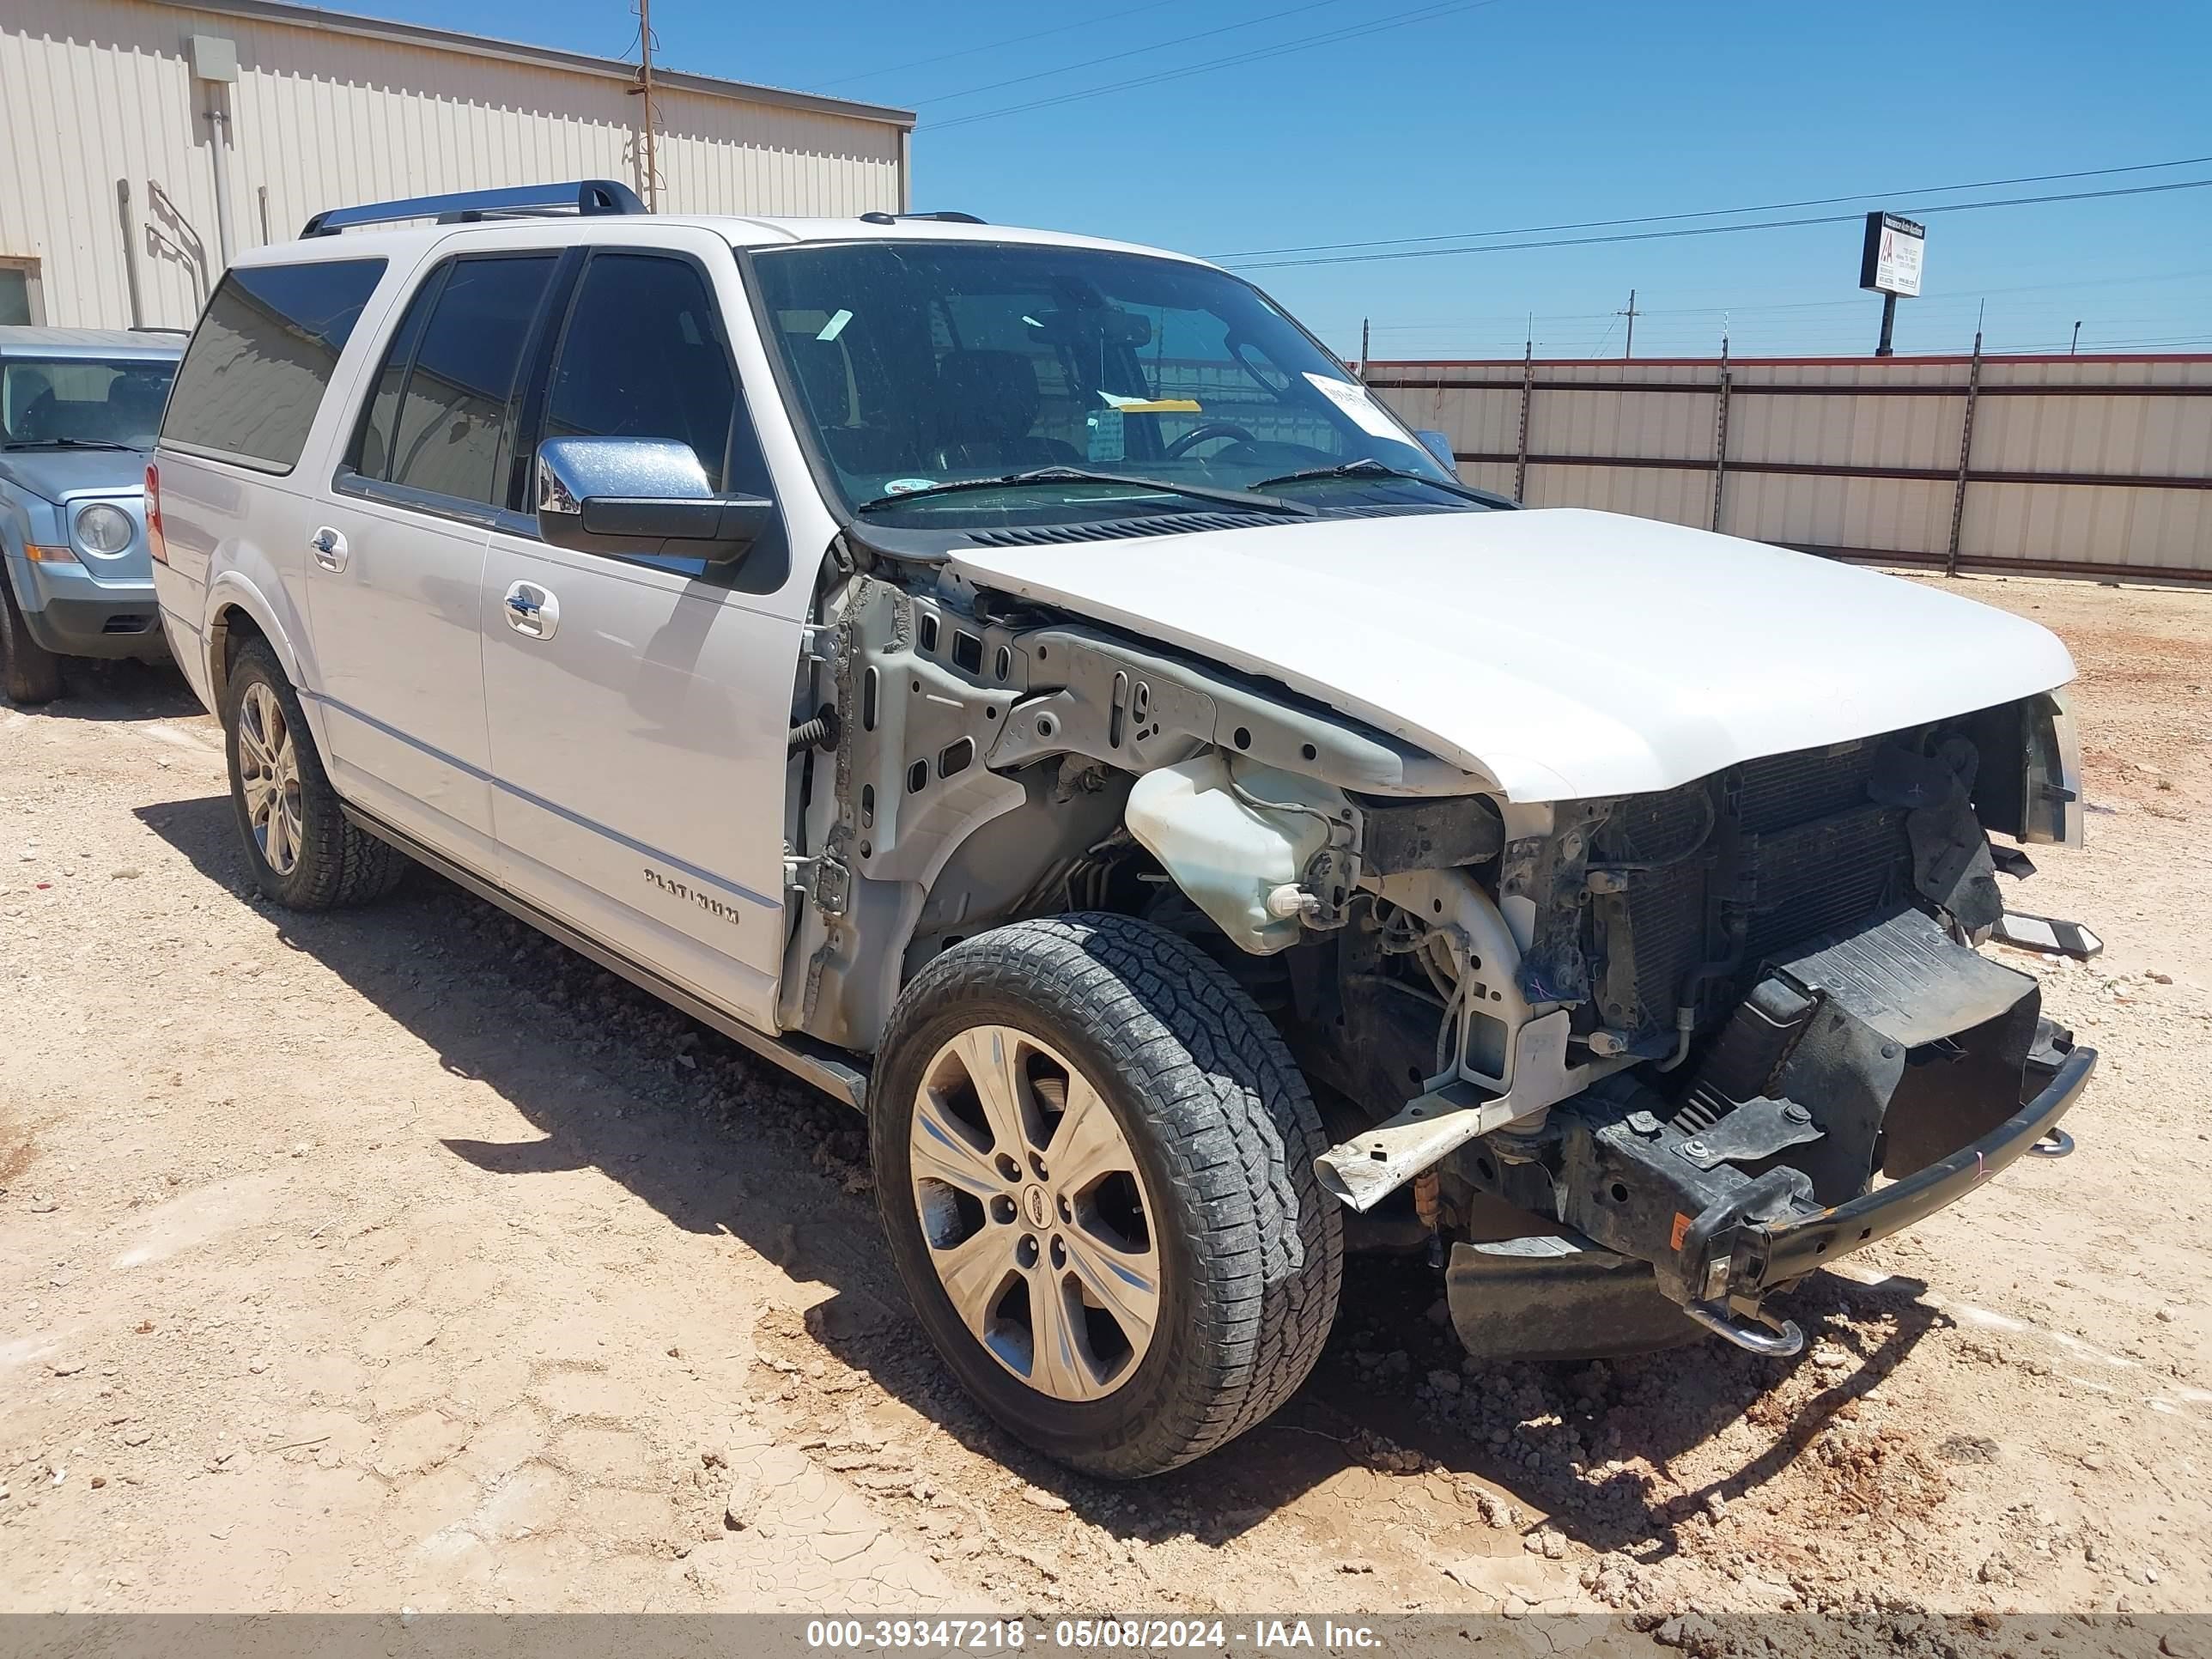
(29, 673)
(1094, 1159)
(302, 851)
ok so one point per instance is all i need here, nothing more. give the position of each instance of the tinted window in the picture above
(455, 411)
(641, 358)
(255, 372)
(371, 455)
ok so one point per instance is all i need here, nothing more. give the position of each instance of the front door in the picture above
(396, 555)
(640, 707)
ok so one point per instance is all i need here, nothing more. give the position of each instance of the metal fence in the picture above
(2091, 465)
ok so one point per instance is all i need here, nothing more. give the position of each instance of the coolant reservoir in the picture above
(1227, 853)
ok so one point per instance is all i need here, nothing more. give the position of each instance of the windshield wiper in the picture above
(62, 443)
(1367, 468)
(1081, 475)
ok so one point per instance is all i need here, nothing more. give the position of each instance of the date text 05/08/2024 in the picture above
(1087, 1635)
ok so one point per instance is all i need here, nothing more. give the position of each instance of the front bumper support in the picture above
(1569, 1296)
(1784, 1251)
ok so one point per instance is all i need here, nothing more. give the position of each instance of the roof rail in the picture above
(949, 216)
(584, 197)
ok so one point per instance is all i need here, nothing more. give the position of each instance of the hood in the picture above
(54, 473)
(1558, 652)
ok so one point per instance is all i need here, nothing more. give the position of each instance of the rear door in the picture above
(639, 708)
(395, 560)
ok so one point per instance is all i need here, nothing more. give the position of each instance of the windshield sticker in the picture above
(908, 486)
(1103, 438)
(1359, 403)
(835, 327)
(1150, 405)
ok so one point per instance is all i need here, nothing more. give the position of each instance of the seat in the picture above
(825, 375)
(134, 409)
(986, 404)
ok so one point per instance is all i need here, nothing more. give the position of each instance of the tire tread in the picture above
(1234, 1119)
(340, 865)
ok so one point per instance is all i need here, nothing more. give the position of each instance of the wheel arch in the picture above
(238, 611)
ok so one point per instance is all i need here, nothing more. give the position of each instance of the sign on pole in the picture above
(1890, 261)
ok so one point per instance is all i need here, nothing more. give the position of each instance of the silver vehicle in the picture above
(78, 410)
(1024, 685)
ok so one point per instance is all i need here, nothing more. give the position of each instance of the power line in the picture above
(993, 45)
(1723, 230)
(1399, 20)
(1133, 52)
(1715, 213)
(1926, 304)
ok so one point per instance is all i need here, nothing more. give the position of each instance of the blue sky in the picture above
(1498, 114)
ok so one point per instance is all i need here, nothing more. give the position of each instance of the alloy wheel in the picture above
(269, 777)
(1034, 1212)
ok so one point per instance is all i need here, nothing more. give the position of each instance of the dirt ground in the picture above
(403, 1259)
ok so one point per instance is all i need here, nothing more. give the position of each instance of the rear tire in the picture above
(1211, 1135)
(303, 852)
(29, 673)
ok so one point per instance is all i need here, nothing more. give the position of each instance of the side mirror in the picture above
(641, 496)
(1439, 444)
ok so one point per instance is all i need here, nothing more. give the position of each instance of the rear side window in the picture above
(440, 416)
(254, 375)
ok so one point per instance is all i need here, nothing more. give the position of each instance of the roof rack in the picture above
(584, 197)
(947, 217)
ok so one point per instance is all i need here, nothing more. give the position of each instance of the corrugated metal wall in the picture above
(2094, 466)
(92, 91)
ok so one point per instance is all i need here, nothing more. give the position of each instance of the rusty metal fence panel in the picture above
(2091, 465)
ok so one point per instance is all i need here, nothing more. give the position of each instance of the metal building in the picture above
(143, 142)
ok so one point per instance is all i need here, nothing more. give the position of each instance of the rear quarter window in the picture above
(255, 373)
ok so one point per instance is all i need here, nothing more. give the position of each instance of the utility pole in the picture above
(1628, 347)
(648, 175)
(1363, 348)
(2075, 345)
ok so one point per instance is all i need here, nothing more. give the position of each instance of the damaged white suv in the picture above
(1025, 685)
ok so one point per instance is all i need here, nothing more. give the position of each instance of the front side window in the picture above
(64, 402)
(642, 357)
(920, 363)
(441, 412)
(254, 375)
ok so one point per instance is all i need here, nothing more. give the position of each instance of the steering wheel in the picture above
(1199, 435)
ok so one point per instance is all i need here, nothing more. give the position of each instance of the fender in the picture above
(234, 590)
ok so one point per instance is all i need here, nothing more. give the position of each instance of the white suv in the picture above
(1026, 685)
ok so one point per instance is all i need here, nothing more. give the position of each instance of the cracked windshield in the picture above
(935, 374)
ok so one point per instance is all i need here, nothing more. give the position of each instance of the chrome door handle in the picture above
(329, 548)
(531, 611)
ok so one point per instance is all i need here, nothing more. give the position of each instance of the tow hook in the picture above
(1779, 1340)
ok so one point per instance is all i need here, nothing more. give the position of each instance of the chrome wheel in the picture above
(1036, 1215)
(269, 777)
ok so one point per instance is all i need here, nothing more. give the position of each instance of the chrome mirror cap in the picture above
(571, 470)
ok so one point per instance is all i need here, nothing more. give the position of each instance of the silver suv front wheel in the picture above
(1095, 1161)
(1036, 1215)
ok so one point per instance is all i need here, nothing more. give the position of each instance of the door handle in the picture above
(329, 548)
(531, 611)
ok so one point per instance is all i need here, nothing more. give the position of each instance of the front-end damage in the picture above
(1733, 1006)
(1638, 1061)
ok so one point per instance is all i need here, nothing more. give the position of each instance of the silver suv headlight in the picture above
(101, 528)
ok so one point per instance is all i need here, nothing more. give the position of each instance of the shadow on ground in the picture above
(720, 1142)
(125, 691)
